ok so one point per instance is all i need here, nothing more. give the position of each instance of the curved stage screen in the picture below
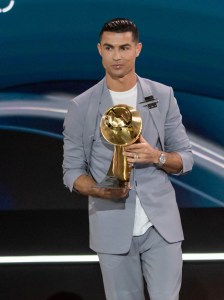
(49, 55)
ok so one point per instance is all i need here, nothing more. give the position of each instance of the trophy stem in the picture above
(118, 175)
(120, 167)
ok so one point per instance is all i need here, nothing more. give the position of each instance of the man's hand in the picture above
(141, 152)
(111, 194)
(87, 186)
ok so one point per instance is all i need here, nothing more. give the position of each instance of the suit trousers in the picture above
(150, 256)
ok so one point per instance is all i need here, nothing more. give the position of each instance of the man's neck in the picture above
(121, 84)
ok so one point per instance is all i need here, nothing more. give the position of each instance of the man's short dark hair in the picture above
(120, 25)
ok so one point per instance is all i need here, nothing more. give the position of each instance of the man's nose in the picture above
(116, 55)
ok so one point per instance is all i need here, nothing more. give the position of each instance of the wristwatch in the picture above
(162, 160)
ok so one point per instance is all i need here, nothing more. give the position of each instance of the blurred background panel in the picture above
(56, 40)
(49, 55)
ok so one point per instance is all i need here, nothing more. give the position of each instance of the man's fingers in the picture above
(142, 140)
(108, 193)
(133, 146)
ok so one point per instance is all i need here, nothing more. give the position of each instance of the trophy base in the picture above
(111, 182)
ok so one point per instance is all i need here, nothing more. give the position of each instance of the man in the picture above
(135, 230)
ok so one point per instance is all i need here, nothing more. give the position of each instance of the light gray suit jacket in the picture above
(86, 151)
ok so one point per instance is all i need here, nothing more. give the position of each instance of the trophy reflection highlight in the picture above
(121, 126)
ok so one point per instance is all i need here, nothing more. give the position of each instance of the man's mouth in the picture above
(117, 66)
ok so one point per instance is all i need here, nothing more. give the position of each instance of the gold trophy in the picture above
(121, 126)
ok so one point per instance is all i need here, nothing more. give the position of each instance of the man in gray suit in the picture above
(136, 231)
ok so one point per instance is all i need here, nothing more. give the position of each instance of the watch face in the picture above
(162, 159)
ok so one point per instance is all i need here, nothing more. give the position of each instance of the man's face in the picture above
(118, 51)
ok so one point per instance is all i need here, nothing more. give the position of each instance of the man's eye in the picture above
(108, 48)
(125, 48)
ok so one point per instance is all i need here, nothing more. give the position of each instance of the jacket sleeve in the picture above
(74, 162)
(176, 139)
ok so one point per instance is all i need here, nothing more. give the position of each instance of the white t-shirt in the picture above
(142, 222)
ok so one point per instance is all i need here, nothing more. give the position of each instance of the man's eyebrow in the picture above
(107, 45)
(120, 46)
(125, 45)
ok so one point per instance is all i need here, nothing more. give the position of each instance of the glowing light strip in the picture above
(7, 8)
(49, 259)
(202, 256)
(211, 160)
(198, 192)
(207, 150)
(32, 130)
(35, 108)
(94, 258)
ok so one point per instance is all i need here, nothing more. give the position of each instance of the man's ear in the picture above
(138, 49)
(99, 48)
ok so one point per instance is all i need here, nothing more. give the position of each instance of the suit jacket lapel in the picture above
(106, 100)
(96, 102)
(143, 92)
